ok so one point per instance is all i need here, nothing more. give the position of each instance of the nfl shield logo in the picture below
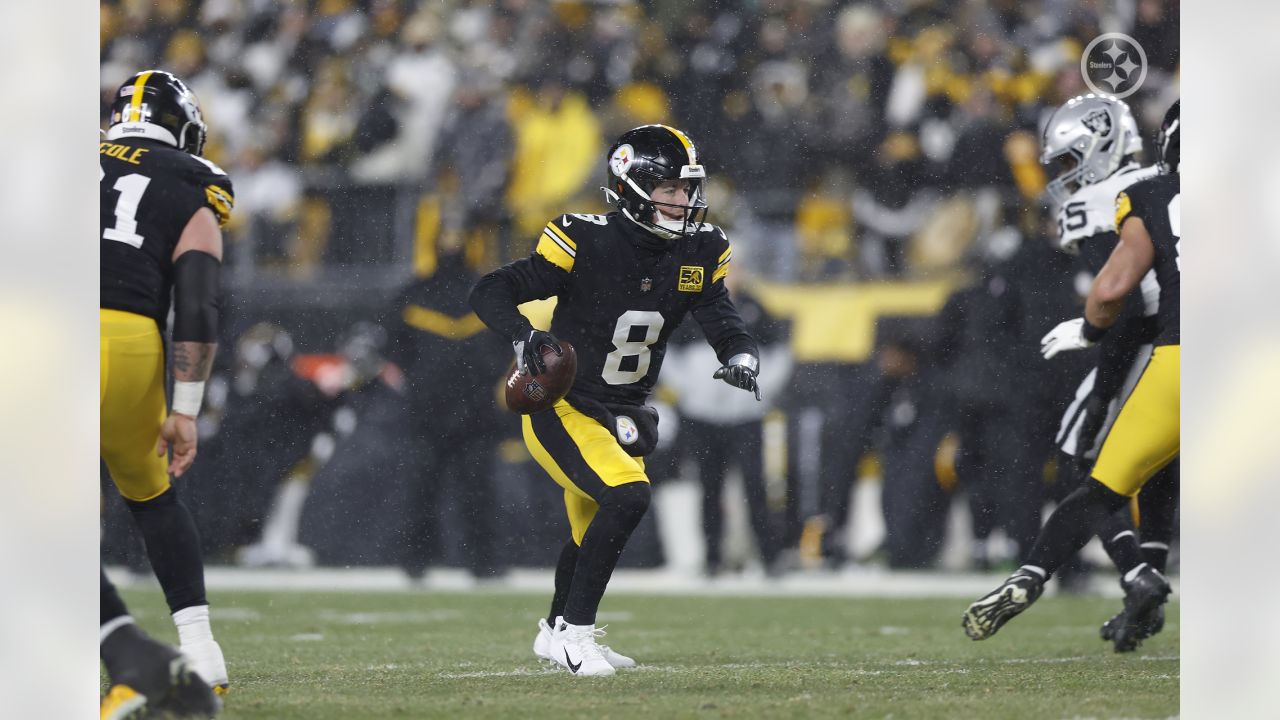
(646, 284)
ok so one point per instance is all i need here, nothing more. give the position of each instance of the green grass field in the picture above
(401, 655)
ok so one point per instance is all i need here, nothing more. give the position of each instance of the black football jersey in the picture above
(1158, 202)
(619, 296)
(149, 191)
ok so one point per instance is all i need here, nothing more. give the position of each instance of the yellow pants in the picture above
(1147, 434)
(582, 456)
(131, 403)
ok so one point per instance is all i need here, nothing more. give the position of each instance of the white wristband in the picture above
(187, 397)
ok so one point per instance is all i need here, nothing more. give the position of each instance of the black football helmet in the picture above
(1169, 140)
(157, 105)
(643, 158)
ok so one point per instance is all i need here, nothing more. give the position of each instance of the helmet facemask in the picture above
(669, 221)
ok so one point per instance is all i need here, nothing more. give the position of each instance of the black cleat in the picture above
(989, 613)
(151, 680)
(1110, 627)
(1143, 612)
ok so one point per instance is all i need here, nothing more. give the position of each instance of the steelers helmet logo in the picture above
(628, 433)
(621, 160)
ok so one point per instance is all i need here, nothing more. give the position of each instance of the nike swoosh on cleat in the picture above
(572, 667)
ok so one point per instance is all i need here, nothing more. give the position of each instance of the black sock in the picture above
(110, 606)
(564, 578)
(1120, 541)
(173, 546)
(1158, 509)
(620, 511)
(1155, 554)
(1073, 523)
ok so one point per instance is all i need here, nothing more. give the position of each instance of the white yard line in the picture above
(853, 582)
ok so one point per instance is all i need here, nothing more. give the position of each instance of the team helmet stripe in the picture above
(135, 102)
(688, 146)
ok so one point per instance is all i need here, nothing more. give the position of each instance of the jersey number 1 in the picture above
(130, 187)
(625, 347)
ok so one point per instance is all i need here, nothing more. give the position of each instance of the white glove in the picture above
(1067, 336)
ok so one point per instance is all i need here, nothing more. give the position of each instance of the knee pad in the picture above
(630, 500)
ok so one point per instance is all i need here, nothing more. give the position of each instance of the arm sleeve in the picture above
(1118, 347)
(496, 297)
(722, 325)
(1096, 249)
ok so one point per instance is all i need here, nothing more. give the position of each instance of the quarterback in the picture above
(623, 282)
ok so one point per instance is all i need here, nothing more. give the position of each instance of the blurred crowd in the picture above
(846, 139)
(847, 142)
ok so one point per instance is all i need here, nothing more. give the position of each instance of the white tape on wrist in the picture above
(187, 397)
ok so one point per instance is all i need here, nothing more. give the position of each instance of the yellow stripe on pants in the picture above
(1147, 434)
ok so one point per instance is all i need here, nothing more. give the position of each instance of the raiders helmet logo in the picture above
(1098, 122)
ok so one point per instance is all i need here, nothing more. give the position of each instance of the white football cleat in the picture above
(542, 646)
(206, 660)
(574, 648)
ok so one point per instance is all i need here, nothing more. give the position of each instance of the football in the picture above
(526, 394)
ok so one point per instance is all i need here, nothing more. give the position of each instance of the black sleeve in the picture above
(496, 296)
(722, 325)
(1119, 346)
(1096, 250)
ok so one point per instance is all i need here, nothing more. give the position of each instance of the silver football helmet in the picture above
(1089, 136)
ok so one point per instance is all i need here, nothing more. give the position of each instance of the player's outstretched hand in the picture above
(1066, 336)
(740, 373)
(179, 433)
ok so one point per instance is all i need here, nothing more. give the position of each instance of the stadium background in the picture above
(870, 161)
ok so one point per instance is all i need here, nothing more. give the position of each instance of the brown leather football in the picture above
(526, 394)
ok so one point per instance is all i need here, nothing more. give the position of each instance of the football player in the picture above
(623, 282)
(148, 678)
(1095, 141)
(1146, 435)
(162, 209)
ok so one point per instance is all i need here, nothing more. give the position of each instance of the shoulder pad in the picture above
(215, 184)
(560, 237)
(1091, 210)
(718, 249)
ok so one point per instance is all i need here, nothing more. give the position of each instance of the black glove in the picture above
(1094, 413)
(529, 351)
(740, 372)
